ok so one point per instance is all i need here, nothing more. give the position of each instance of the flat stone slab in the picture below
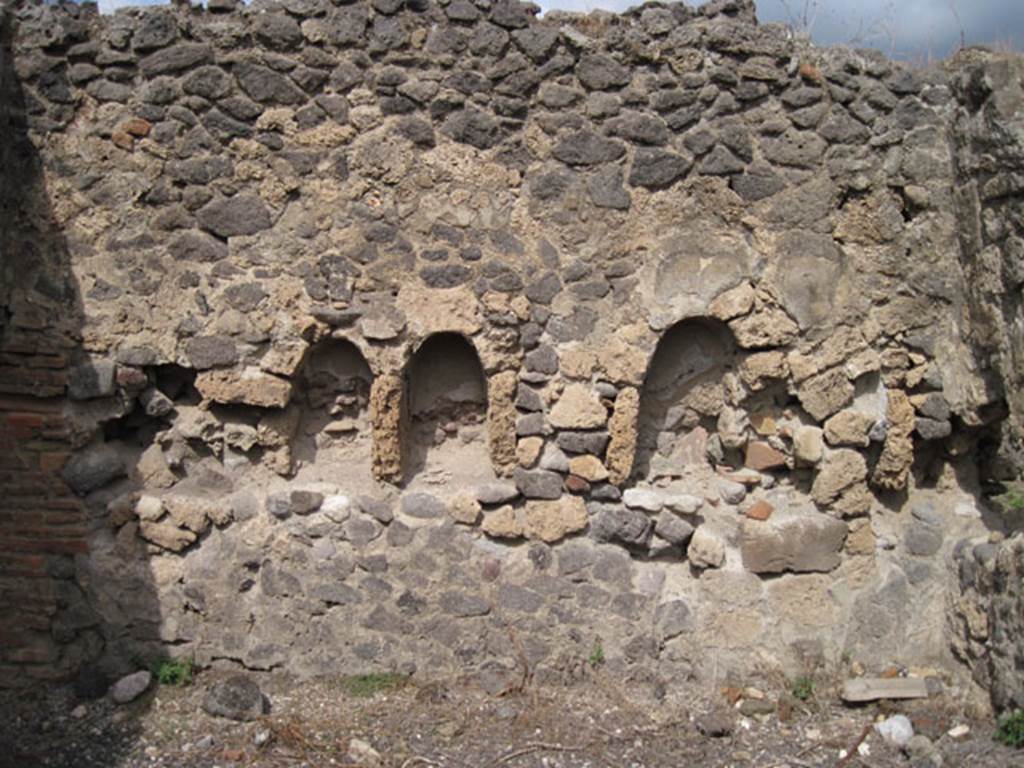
(875, 688)
(801, 542)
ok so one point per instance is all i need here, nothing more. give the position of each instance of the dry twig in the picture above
(853, 748)
(535, 747)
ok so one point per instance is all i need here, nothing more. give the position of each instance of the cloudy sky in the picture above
(910, 29)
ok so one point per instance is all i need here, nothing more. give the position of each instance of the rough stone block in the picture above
(800, 542)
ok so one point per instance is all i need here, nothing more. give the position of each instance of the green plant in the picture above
(174, 671)
(371, 684)
(596, 657)
(1011, 729)
(802, 688)
(1013, 500)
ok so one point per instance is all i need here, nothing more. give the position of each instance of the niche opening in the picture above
(681, 398)
(446, 393)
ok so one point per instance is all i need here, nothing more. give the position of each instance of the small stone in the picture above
(588, 467)
(235, 698)
(706, 550)
(130, 687)
(579, 407)
(538, 483)
(550, 521)
(79, 712)
(808, 445)
(503, 523)
(528, 451)
(638, 498)
(496, 493)
(716, 724)
(731, 491)
(361, 753)
(761, 510)
(464, 508)
(761, 456)
(423, 506)
(896, 730)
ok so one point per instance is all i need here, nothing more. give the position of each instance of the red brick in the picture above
(53, 462)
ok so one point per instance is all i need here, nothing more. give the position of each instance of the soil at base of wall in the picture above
(451, 723)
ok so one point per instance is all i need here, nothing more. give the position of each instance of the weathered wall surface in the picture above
(783, 481)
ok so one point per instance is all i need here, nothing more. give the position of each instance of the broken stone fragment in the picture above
(236, 698)
(706, 549)
(579, 407)
(800, 542)
(166, 535)
(538, 483)
(382, 324)
(423, 506)
(130, 687)
(93, 468)
(841, 469)
(808, 445)
(826, 393)
(762, 456)
(588, 467)
(760, 510)
(622, 430)
(496, 493)
(287, 503)
(155, 403)
(528, 451)
(613, 523)
(647, 500)
(849, 427)
(248, 387)
(464, 508)
(503, 523)
(550, 521)
(673, 529)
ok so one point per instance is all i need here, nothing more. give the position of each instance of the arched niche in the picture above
(681, 397)
(333, 395)
(446, 405)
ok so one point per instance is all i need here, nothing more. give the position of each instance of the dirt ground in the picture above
(395, 723)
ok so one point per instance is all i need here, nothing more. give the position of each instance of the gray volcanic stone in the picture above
(242, 214)
(657, 168)
(543, 359)
(130, 687)
(93, 379)
(932, 429)
(375, 508)
(423, 506)
(464, 605)
(267, 86)
(606, 190)
(277, 30)
(585, 147)
(155, 30)
(673, 529)
(496, 493)
(235, 698)
(599, 72)
(512, 14)
(176, 58)
(614, 523)
(474, 127)
(93, 468)
(197, 246)
(538, 483)
(922, 539)
(209, 82)
(244, 297)
(639, 127)
(583, 442)
(204, 352)
(672, 619)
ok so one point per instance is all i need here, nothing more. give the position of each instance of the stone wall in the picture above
(721, 285)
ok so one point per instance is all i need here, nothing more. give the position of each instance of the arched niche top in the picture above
(687, 350)
(336, 361)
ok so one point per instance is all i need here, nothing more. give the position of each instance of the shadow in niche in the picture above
(681, 395)
(334, 406)
(58, 642)
(446, 396)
